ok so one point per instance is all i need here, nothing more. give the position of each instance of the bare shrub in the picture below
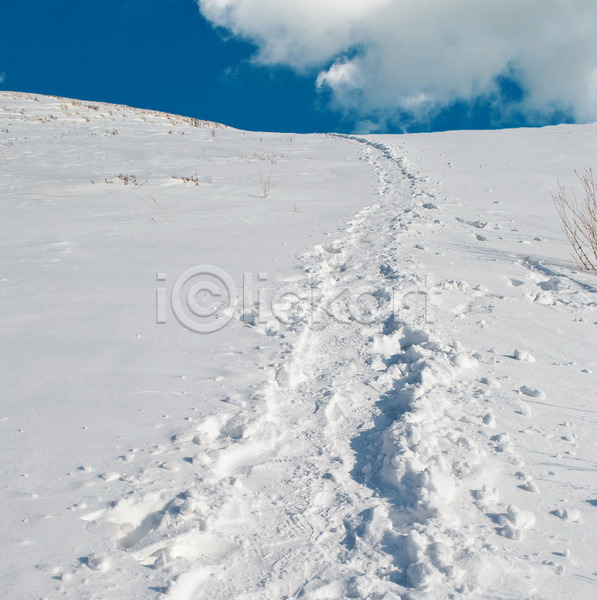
(126, 178)
(579, 220)
(191, 179)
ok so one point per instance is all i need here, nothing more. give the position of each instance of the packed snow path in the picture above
(377, 462)
(417, 422)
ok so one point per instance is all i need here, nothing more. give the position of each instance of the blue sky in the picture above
(301, 66)
(158, 54)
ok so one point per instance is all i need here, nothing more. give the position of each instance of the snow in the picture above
(398, 404)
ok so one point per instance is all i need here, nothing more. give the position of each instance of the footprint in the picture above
(475, 224)
(530, 486)
(524, 410)
(235, 428)
(532, 392)
(97, 561)
(567, 514)
(554, 284)
(486, 496)
(523, 356)
(514, 521)
(334, 247)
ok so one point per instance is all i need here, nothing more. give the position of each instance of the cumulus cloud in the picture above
(407, 60)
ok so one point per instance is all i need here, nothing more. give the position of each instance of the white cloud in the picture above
(2, 77)
(383, 58)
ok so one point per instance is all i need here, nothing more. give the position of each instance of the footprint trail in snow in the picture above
(371, 465)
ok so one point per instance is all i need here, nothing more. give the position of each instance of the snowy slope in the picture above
(413, 419)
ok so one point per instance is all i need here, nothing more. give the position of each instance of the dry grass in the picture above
(266, 186)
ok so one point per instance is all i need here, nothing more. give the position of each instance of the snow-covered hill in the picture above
(255, 365)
